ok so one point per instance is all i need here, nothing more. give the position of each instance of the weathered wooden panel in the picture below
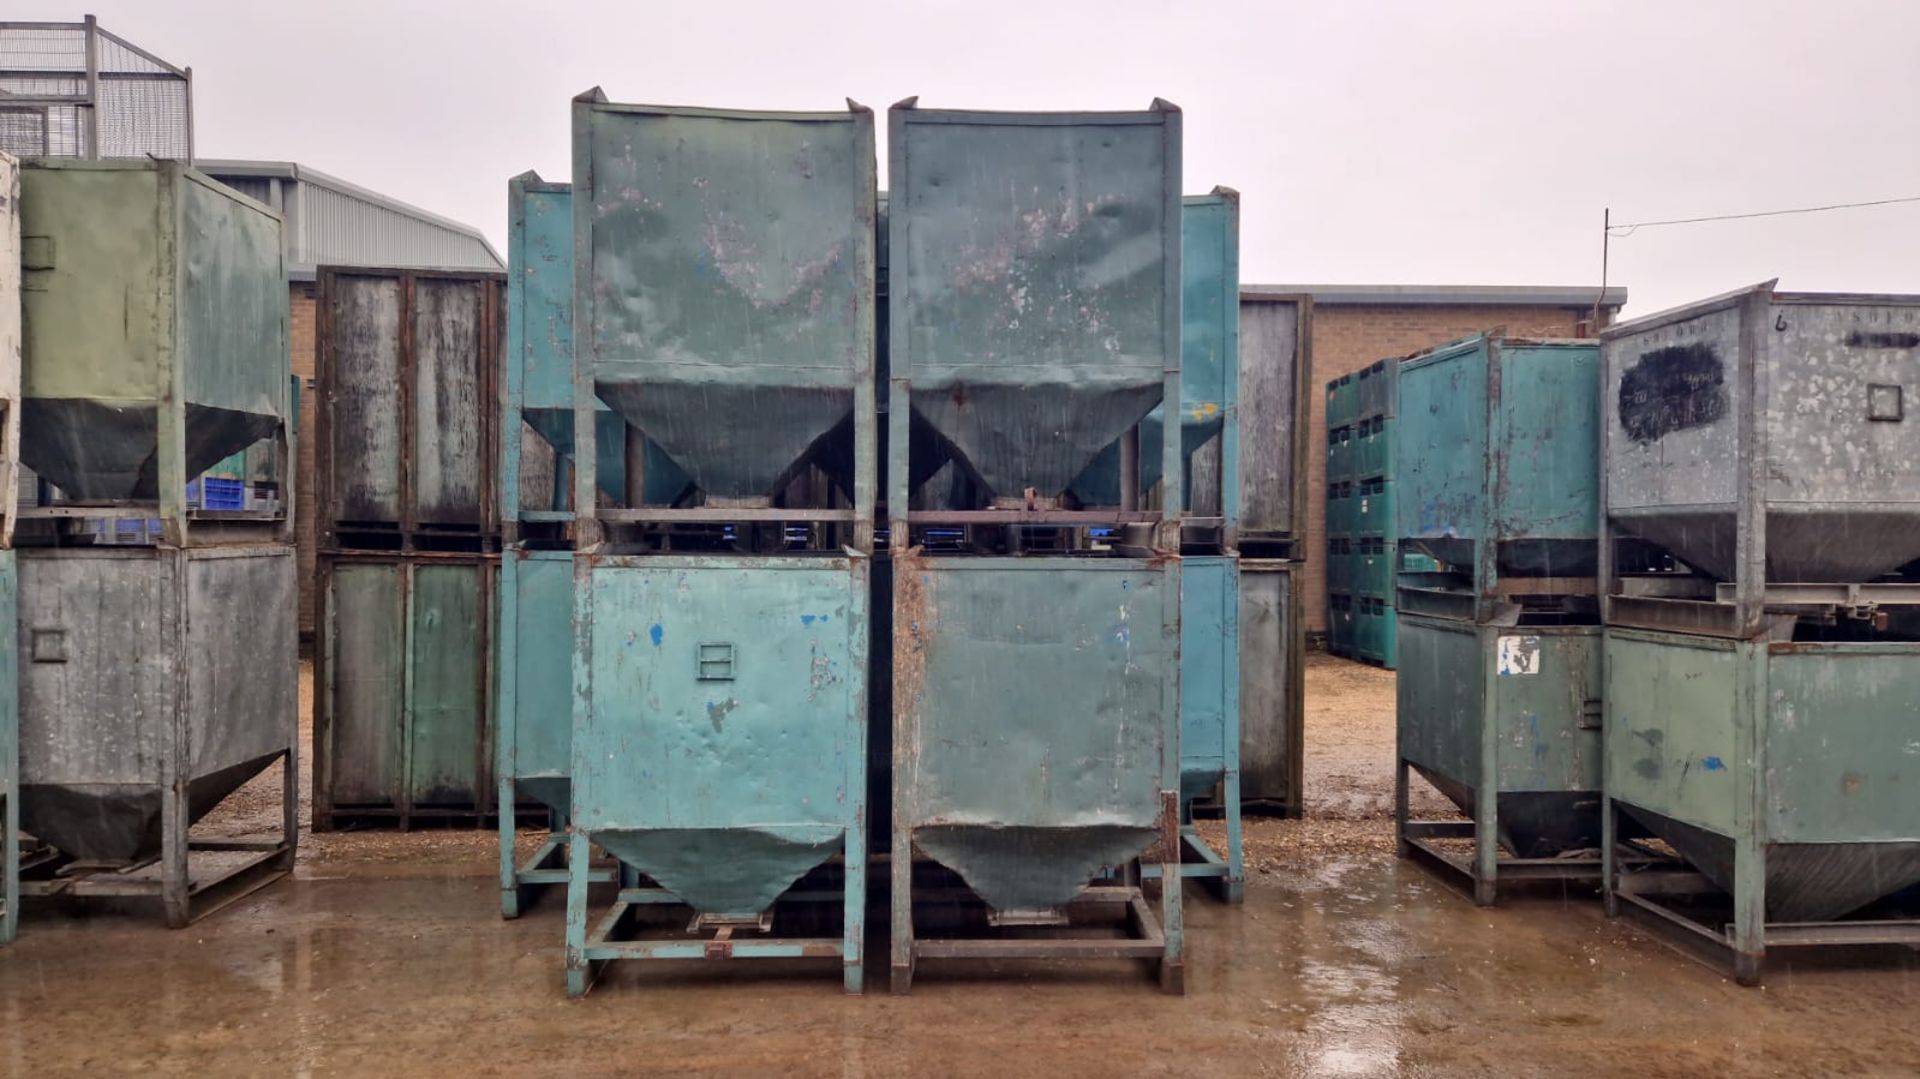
(447, 717)
(450, 404)
(364, 694)
(359, 376)
(10, 346)
(408, 385)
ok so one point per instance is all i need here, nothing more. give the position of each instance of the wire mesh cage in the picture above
(75, 90)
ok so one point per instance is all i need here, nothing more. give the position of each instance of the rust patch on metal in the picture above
(1167, 847)
(912, 609)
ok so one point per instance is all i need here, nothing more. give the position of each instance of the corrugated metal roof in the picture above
(333, 222)
(1446, 295)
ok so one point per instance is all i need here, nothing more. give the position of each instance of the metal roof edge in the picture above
(291, 170)
(1445, 295)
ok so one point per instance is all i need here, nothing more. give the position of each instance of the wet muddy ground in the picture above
(385, 954)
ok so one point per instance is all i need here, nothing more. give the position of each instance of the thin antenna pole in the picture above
(1606, 240)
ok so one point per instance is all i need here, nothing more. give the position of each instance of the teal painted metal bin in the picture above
(1496, 511)
(1036, 739)
(1210, 603)
(1782, 773)
(1499, 477)
(1504, 721)
(723, 307)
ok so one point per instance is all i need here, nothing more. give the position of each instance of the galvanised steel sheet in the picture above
(146, 670)
(195, 353)
(726, 260)
(540, 346)
(1511, 709)
(720, 717)
(1783, 409)
(1498, 457)
(1035, 283)
(1037, 731)
(1272, 684)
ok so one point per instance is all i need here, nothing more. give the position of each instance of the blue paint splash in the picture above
(806, 620)
(655, 633)
(1713, 764)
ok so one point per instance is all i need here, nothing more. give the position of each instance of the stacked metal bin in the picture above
(1362, 559)
(406, 428)
(1499, 638)
(155, 677)
(1036, 663)
(723, 308)
(1762, 638)
(9, 576)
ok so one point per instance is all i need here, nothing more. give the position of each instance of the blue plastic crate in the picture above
(217, 493)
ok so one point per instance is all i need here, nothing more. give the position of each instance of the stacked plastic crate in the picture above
(1343, 409)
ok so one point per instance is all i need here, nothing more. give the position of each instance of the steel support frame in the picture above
(1161, 941)
(587, 951)
(1741, 944)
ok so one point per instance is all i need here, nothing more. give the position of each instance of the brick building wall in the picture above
(300, 342)
(1347, 337)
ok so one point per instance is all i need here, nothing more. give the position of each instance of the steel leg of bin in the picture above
(579, 971)
(175, 864)
(1173, 971)
(1749, 911)
(1401, 847)
(1609, 857)
(10, 866)
(854, 920)
(509, 872)
(1234, 888)
(901, 866)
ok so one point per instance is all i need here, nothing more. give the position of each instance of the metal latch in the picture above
(713, 661)
(1592, 712)
(36, 257)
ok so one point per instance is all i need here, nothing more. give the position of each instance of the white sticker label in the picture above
(1519, 655)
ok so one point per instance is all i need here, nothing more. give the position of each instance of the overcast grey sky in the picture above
(1472, 142)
